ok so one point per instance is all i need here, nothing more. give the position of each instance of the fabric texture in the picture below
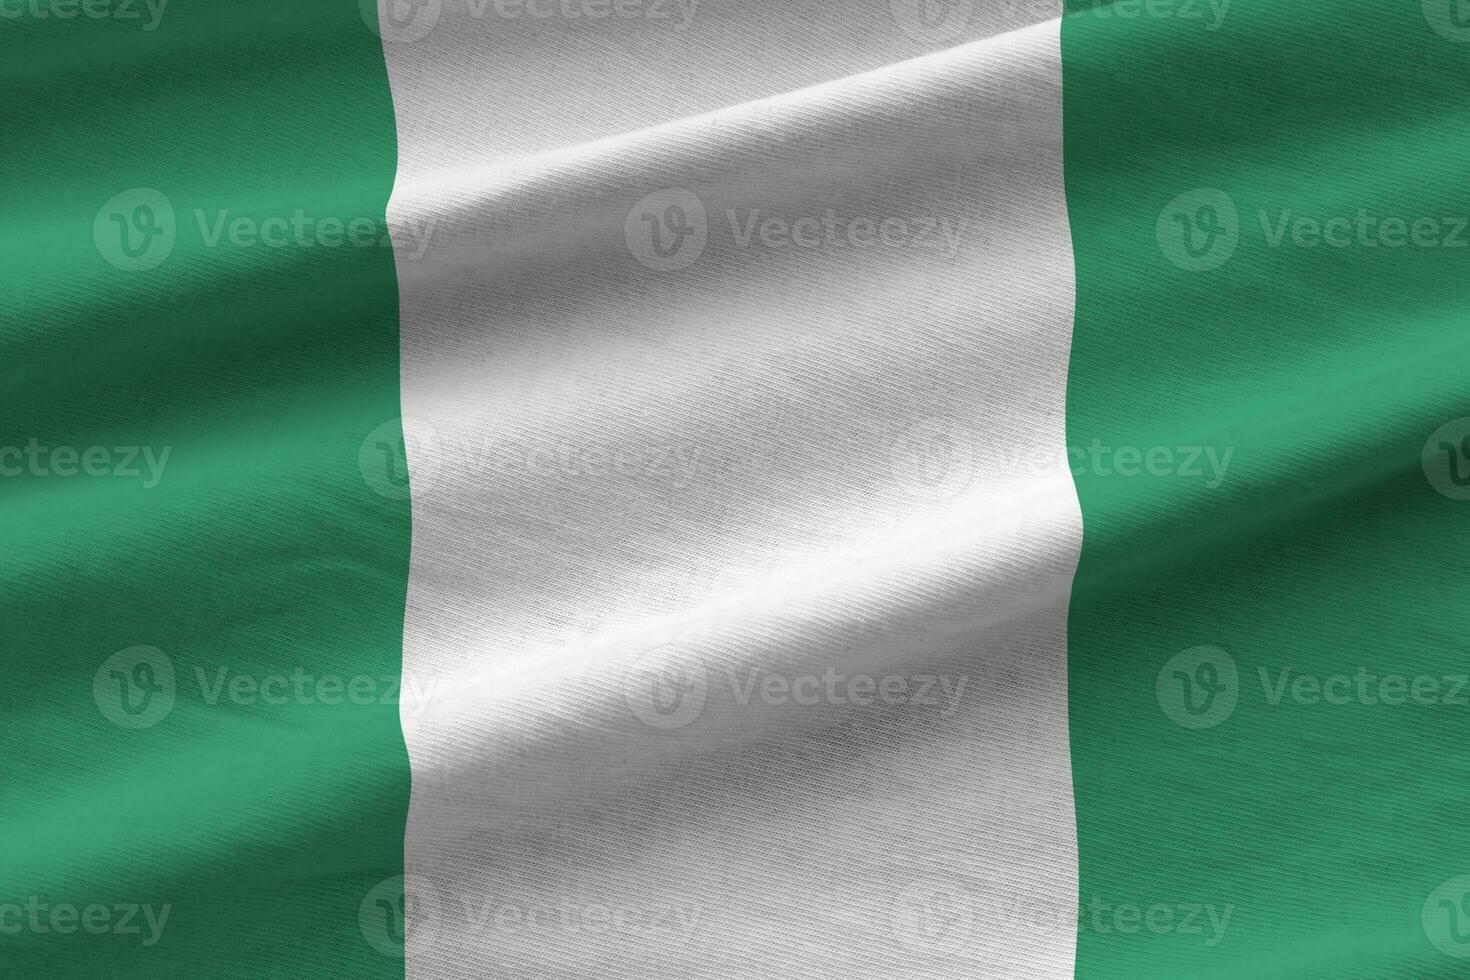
(553, 489)
(748, 461)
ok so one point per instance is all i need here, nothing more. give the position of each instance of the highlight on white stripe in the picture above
(737, 582)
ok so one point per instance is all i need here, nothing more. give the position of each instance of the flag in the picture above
(667, 489)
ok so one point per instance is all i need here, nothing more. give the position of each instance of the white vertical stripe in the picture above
(741, 554)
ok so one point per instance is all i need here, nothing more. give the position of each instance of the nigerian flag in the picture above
(662, 489)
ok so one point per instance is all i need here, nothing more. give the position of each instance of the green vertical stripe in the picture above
(259, 804)
(1321, 824)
